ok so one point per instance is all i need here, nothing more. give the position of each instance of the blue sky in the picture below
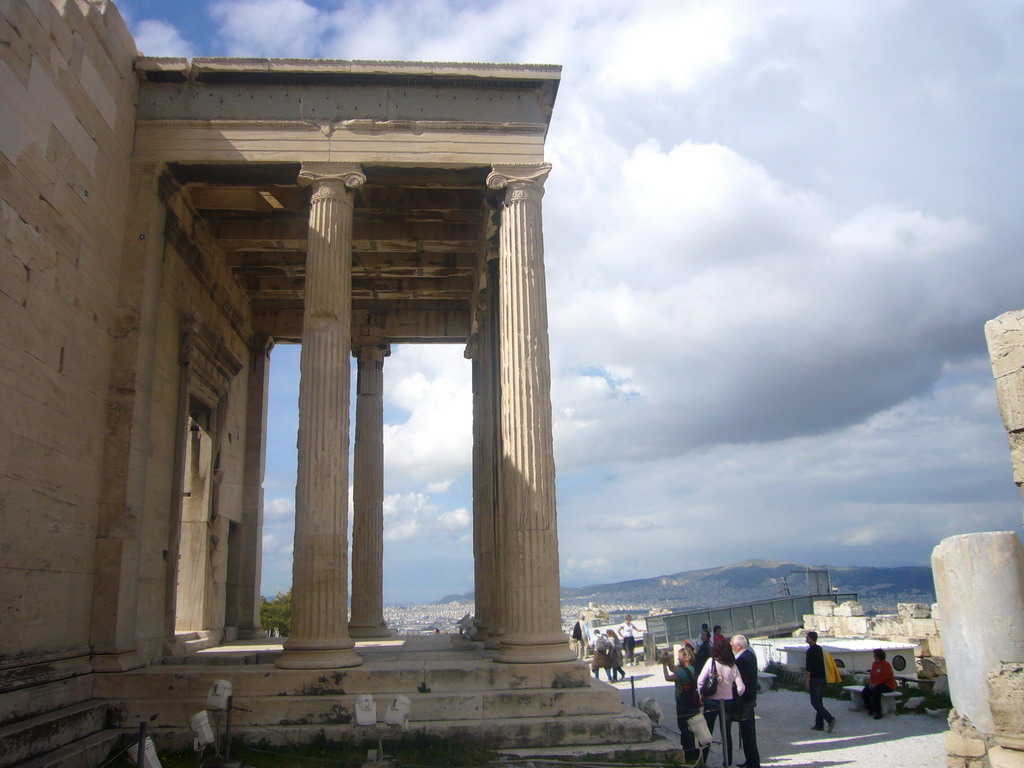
(774, 231)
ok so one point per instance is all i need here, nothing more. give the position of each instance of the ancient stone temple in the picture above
(164, 224)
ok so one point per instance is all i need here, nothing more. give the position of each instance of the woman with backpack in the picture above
(719, 683)
(687, 696)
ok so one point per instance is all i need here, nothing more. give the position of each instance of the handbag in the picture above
(710, 684)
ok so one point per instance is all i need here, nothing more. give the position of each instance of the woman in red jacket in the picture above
(880, 681)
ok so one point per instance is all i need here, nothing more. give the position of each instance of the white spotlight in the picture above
(218, 696)
(398, 712)
(149, 758)
(202, 733)
(366, 709)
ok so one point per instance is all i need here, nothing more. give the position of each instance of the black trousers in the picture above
(711, 714)
(748, 740)
(683, 714)
(873, 698)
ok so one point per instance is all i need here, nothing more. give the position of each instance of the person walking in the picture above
(616, 672)
(743, 708)
(687, 696)
(577, 639)
(814, 681)
(721, 668)
(601, 658)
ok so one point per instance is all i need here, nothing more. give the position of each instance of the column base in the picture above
(368, 630)
(322, 658)
(534, 650)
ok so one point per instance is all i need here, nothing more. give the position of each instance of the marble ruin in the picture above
(164, 224)
(979, 582)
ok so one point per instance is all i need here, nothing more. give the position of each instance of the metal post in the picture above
(632, 688)
(140, 756)
(227, 734)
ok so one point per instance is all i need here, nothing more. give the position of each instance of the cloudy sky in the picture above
(774, 231)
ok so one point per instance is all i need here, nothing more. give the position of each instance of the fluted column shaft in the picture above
(485, 474)
(368, 496)
(319, 631)
(528, 534)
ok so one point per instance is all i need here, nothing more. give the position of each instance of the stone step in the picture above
(428, 676)
(37, 699)
(88, 752)
(628, 727)
(659, 751)
(36, 736)
(479, 705)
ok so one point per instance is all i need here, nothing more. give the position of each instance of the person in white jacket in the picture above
(721, 666)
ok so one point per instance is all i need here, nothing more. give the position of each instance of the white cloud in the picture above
(455, 520)
(279, 509)
(772, 235)
(159, 38)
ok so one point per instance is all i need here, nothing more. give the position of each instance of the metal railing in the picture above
(777, 616)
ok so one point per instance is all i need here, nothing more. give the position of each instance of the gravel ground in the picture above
(784, 719)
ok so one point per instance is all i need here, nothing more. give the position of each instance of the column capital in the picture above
(375, 350)
(521, 178)
(320, 174)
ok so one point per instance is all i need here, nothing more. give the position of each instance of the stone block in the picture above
(963, 746)
(914, 610)
(824, 608)
(1007, 700)
(849, 608)
(1001, 757)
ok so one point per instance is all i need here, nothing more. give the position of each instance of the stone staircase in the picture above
(455, 691)
(75, 736)
(54, 722)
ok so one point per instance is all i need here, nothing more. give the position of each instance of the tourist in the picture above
(814, 681)
(703, 652)
(577, 638)
(615, 671)
(723, 666)
(628, 633)
(687, 696)
(881, 680)
(600, 659)
(743, 708)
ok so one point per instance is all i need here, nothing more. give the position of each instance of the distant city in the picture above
(878, 590)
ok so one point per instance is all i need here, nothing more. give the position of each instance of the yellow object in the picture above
(831, 669)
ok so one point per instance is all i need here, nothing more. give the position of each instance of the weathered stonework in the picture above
(163, 224)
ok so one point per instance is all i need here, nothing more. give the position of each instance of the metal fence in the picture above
(777, 616)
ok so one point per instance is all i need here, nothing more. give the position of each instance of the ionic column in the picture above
(527, 530)
(319, 632)
(485, 471)
(368, 496)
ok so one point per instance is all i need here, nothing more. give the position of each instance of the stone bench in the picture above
(765, 681)
(857, 697)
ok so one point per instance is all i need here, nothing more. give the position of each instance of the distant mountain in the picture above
(879, 589)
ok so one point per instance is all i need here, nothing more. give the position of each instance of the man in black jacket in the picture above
(746, 663)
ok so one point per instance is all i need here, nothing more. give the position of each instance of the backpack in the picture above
(686, 693)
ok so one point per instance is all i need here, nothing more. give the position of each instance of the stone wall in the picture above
(67, 119)
(916, 623)
(119, 318)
